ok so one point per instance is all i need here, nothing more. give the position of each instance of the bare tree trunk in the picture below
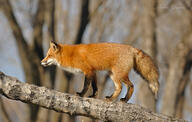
(182, 87)
(177, 66)
(176, 69)
(84, 20)
(74, 105)
(38, 49)
(145, 96)
(49, 12)
(180, 100)
(29, 58)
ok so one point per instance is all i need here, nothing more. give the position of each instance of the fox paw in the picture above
(79, 94)
(92, 96)
(123, 100)
(108, 98)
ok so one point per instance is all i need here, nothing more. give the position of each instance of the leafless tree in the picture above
(161, 28)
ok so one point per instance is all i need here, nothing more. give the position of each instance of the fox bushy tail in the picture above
(144, 66)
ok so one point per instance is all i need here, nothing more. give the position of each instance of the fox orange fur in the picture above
(118, 59)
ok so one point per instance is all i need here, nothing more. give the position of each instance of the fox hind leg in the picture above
(130, 89)
(116, 93)
(116, 79)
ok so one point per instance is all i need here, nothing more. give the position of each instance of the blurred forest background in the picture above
(162, 28)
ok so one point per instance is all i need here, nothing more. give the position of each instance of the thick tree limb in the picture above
(74, 105)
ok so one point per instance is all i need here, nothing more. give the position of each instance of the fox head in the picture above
(52, 55)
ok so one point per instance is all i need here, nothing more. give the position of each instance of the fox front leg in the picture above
(94, 86)
(86, 86)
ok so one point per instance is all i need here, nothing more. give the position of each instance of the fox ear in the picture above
(54, 45)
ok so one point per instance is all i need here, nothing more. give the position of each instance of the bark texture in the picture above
(74, 105)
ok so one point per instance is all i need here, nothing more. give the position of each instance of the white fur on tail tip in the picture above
(154, 88)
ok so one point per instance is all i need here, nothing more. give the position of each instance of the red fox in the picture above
(118, 59)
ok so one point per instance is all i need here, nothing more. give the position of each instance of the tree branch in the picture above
(74, 105)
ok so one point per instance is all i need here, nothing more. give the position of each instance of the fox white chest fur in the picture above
(70, 69)
(67, 68)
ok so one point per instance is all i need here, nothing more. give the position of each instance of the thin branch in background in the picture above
(8, 12)
(98, 24)
(51, 23)
(188, 107)
(100, 3)
(164, 8)
(37, 29)
(133, 34)
(29, 59)
(182, 87)
(180, 100)
(30, 55)
(84, 20)
(66, 20)
(46, 15)
(191, 3)
(188, 6)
